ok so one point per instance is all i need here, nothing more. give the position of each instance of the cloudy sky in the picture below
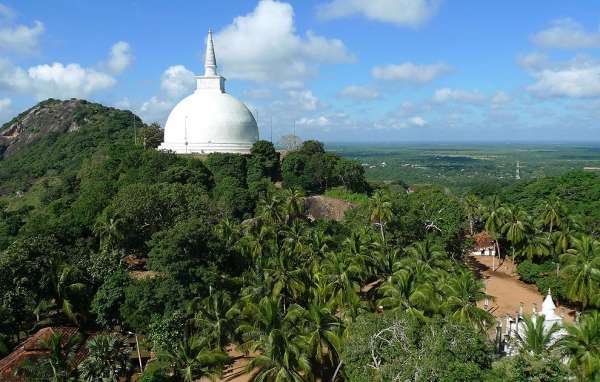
(343, 70)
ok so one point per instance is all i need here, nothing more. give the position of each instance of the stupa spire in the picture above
(210, 62)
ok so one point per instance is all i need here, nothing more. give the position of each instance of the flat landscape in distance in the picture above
(463, 166)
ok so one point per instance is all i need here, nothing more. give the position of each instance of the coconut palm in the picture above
(270, 208)
(108, 230)
(281, 358)
(321, 330)
(293, 204)
(515, 227)
(107, 359)
(535, 245)
(381, 211)
(495, 220)
(404, 293)
(472, 206)
(190, 359)
(56, 364)
(462, 292)
(214, 317)
(563, 239)
(428, 252)
(581, 346)
(552, 214)
(535, 339)
(581, 265)
(284, 277)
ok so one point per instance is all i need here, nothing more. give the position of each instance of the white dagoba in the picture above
(210, 120)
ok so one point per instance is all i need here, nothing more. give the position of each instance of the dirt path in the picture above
(507, 289)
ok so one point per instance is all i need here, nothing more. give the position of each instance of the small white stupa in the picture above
(210, 120)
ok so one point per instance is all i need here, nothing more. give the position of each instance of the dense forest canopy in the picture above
(101, 231)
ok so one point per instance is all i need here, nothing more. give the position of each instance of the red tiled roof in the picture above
(30, 348)
(483, 240)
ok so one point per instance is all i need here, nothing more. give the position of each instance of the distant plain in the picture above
(463, 166)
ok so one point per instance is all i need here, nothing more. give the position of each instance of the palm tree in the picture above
(563, 239)
(214, 317)
(281, 358)
(228, 232)
(270, 332)
(536, 245)
(515, 227)
(404, 293)
(552, 214)
(321, 333)
(270, 208)
(191, 360)
(428, 252)
(535, 339)
(495, 220)
(284, 277)
(293, 204)
(108, 230)
(581, 265)
(461, 295)
(581, 345)
(472, 206)
(107, 359)
(56, 364)
(381, 211)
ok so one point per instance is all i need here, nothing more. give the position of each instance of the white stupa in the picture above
(210, 120)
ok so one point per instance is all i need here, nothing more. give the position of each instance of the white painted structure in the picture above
(210, 120)
(516, 325)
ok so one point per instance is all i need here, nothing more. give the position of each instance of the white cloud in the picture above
(532, 61)
(418, 121)
(567, 34)
(317, 121)
(177, 81)
(449, 95)
(155, 109)
(5, 104)
(263, 46)
(18, 38)
(358, 92)
(55, 80)
(123, 103)
(499, 99)
(258, 93)
(575, 79)
(65, 81)
(409, 72)
(304, 99)
(120, 57)
(400, 12)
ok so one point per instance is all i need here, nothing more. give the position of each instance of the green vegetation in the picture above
(202, 256)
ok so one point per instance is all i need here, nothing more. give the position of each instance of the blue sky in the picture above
(343, 70)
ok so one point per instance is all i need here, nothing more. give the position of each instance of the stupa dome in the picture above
(210, 120)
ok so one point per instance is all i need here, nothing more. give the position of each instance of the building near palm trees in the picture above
(515, 326)
(210, 120)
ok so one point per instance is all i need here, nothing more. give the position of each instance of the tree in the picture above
(535, 339)
(224, 165)
(472, 206)
(495, 220)
(109, 298)
(107, 359)
(461, 295)
(266, 155)
(552, 214)
(213, 316)
(351, 174)
(405, 293)
(582, 346)
(191, 361)
(515, 227)
(152, 136)
(581, 266)
(293, 204)
(312, 147)
(57, 363)
(381, 212)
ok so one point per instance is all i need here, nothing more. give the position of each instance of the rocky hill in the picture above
(48, 117)
(56, 136)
